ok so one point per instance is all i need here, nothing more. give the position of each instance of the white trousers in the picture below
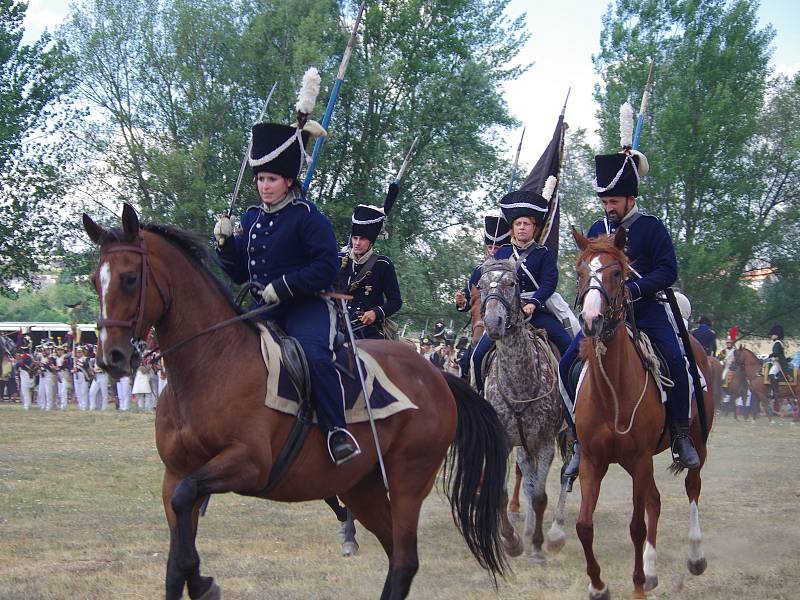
(82, 391)
(25, 388)
(124, 393)
(98, 392)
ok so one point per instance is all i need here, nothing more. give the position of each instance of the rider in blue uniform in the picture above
(287, 245)
(654, 268)
(537, 274)
(367, 276)
(496, 233)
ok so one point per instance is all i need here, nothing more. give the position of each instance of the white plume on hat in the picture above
(625, 125)
(644, 165)
(549, 187)
(308, 92)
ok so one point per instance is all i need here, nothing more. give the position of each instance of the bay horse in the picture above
(746, 361)
(522, 387)
(214, 433)
(619, 415)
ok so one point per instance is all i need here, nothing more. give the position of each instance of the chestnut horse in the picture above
(619, 415)
(746, 361)
(214, 433)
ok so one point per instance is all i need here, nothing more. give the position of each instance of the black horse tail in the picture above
(476, 468)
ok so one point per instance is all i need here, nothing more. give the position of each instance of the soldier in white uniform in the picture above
(98, 390)
(82, 376)
(124, 393)
(24, 368)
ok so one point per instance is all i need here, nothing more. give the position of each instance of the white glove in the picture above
(223, 229)
(270, 296)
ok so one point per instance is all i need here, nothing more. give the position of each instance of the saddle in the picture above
(790, 378)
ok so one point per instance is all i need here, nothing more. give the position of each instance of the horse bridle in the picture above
(615, 307)
(494, 293)
(136, 323)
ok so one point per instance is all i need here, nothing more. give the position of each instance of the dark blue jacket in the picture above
(651, 252)
(294, 249)
(378, 290)
(707, 338)
(541, 264)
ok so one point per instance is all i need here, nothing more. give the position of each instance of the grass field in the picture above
(81, 517)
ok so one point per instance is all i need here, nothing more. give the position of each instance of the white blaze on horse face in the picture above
(105, 281)
(593, 300)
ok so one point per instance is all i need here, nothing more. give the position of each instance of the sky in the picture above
(563, 36)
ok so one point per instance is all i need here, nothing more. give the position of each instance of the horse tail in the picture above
(476, 469)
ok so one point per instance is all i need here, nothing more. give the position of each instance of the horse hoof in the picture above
(349, 549)
(697, 567)
(555, 542)
(212, 593)
(537, 559)
(599, 594)
(513, 546)
(650, 583)
(514, 516)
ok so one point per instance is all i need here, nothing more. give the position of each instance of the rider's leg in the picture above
(313, 323)
(481, 350)
(564, 365)
(678, 397)
(555, 330)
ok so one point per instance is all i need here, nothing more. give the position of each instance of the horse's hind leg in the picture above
(348, 531)
(513, 505)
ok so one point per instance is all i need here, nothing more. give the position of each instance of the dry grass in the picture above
(81, 517)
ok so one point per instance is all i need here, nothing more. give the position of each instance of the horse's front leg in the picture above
(535, 481)
(643, 484)
(697, 560)
(233, 470)
(590, 476)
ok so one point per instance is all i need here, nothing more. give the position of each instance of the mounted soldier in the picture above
(652, 254)
(369, 277)
(706, 336)
(496, 233)
(287, 248)
(780, 364)
(537, 273)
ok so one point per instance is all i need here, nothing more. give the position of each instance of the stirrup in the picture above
(356, 450)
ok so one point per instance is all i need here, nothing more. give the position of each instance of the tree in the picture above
(32, 80)
(710, 71)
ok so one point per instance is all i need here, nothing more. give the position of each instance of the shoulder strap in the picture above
(522, 258)
(365, 270)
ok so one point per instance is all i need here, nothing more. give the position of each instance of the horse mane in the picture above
(603, 244)
(194, 247)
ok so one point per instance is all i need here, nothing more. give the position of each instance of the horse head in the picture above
(131, 299)
(602, 269)
(500, 304)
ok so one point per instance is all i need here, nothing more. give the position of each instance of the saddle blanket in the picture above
(664, 370)
(386, 398)
(791, 376)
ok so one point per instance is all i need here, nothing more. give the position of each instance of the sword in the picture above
(352, 339)
(247, 155)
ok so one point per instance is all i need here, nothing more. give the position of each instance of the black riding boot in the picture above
(774, 384)
(682, 445)
(571, 470)
(342, 445)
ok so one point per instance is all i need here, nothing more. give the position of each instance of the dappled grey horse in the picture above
(522, 386)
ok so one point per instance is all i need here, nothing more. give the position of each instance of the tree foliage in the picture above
(718, 136)
(32, 80)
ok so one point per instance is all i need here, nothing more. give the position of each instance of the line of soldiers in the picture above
(53, 374)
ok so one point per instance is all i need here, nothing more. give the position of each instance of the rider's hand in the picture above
(528, 309)
(223, 229)
(270, 296)
(461, 299)
(368, 318)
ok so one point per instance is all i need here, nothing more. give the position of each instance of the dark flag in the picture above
(549, 163)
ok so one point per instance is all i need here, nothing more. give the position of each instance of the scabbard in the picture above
(693, 371)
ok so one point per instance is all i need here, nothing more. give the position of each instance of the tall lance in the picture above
(326, 118)
(246, 156)
(394, 187)
(516, 162)
(683, 333)
(643, 109)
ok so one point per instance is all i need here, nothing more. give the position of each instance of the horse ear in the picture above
(130, 220)
(620, 238)
(580, 239)
(93, 230)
